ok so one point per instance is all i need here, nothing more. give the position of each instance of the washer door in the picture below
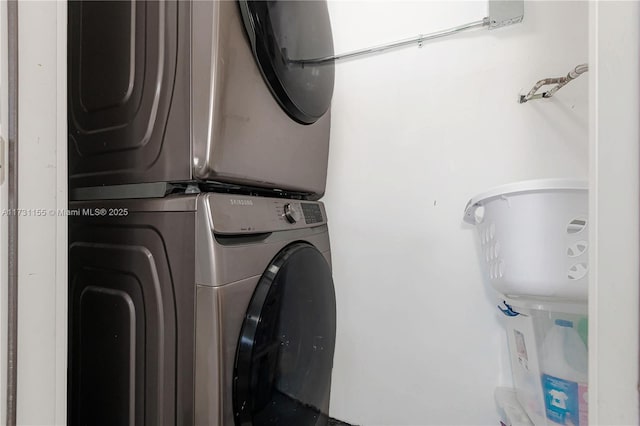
(283, 34)
(284, 358)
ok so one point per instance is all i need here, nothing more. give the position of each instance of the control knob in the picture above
(290, 213)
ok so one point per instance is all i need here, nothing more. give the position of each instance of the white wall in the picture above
(614, 210)
(415, 134)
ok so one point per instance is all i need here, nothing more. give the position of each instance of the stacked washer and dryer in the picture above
(200, 287)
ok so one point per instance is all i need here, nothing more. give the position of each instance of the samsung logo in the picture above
(236, 202)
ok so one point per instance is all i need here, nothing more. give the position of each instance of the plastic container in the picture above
(509, 409)
(564, 374)
(534, 237)
(548, 352)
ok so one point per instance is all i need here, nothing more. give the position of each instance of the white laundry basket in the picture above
(534, 237)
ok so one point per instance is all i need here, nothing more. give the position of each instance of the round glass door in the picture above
(289, 40)
(282, 373)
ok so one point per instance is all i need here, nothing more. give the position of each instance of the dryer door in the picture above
(283, 34)
(282, 374)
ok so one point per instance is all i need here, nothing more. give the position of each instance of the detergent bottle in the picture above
(564, 375)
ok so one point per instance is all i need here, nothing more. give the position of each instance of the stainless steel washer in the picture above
(210, 309)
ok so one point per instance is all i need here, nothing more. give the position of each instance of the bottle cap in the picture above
(564, 323)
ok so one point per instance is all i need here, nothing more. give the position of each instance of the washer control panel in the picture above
(300, 212)
(239, 214)
(312, 213)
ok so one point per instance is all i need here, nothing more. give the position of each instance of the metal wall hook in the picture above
(560, 82)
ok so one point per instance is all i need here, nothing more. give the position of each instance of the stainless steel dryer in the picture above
(168, 91)
(209, 309)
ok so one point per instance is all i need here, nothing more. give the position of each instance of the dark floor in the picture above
(334, 422)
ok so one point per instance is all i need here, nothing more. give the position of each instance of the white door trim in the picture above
(614, 211)
(42, 202)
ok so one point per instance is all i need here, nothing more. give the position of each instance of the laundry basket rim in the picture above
(522, 187)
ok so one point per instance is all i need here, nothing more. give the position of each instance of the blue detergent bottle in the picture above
(564, 379)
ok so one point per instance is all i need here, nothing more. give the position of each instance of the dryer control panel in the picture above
(239, 214)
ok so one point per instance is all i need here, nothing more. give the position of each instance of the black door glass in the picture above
(283, 34)
(282, 373)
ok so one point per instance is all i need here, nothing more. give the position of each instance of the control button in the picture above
(290, 213)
